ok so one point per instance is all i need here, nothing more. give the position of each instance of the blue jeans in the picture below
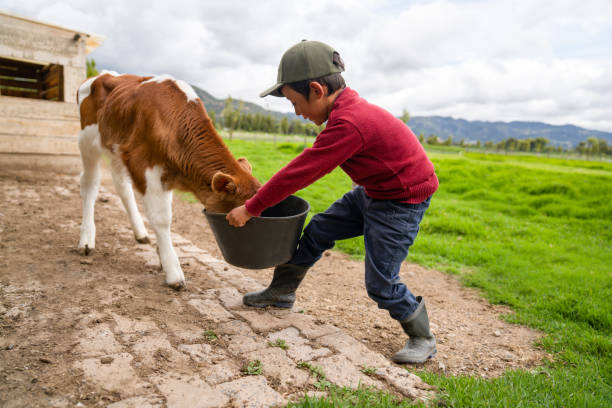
(389, 228)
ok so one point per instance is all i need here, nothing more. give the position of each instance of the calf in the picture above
(159, 137)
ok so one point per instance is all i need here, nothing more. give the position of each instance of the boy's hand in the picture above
(238, 216)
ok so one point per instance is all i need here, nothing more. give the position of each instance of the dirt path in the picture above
(104, 329)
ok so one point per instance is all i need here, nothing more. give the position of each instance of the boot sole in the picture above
(405, 361)
(262, 305)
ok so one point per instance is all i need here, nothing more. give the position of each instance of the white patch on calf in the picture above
(113, 73)
(153, 177)
(91, 150)
(89, 140)
(182, 85)
(158, 205)
(85, 90)
(188, 90)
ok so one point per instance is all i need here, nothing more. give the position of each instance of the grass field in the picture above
(532, 233)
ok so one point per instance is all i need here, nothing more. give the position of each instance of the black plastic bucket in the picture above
(265, 241)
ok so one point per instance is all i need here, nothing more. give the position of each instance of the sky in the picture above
(527, 60)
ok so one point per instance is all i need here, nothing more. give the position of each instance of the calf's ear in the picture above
(223, 183)
(244, 163)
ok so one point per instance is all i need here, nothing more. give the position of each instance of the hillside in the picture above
(471, 131)
(217, 105)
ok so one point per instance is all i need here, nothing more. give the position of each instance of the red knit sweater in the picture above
(377, 150)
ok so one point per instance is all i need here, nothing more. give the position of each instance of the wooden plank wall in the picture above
(38, 126)
(39, 44)
(27, 124)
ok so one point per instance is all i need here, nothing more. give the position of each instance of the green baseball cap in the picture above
(305, 60)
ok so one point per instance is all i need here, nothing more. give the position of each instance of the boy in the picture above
(394, 178)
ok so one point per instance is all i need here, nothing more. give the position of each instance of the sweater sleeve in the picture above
(333, 146)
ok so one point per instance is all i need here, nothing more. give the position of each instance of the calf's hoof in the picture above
(180, 285)
(86, 250)
(143, 240)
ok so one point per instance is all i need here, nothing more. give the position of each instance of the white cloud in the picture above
(540, 60)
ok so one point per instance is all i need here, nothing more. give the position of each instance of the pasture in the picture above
(530, 233)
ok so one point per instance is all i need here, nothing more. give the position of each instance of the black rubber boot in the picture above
(281, 292)
(421, 345)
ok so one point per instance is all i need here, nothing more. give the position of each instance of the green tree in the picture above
(312, 129)
(592, 146)
(227, 112)
(245, 121)
(269, 124)
(510, 144)
(297, 127)
(284, 126)
(405, 116)
(231, 115)
(524, 145)
(582, 148)
(604, 148)
(541, 144)
(432, 139)
(258, 122)
(92, 71)
(238, 115)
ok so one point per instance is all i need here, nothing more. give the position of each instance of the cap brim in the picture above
(274, 90)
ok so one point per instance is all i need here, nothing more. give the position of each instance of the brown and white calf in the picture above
(159, 137)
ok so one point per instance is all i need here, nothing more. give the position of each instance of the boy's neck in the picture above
(330, 99)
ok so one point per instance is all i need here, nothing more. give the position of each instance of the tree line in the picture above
(591, 147)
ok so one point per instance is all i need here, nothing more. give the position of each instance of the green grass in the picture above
(210, 335)
(280, 343)
(361, 397)
(532, 233)
(253, 368)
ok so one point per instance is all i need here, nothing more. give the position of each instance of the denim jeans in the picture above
(389, 228)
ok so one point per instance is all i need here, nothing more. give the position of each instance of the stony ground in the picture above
(103, 330)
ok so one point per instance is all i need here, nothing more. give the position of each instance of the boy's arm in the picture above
(333, 146)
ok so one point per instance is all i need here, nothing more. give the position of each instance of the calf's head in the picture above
(232, 190)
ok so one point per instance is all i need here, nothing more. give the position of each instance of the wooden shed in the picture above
(41, 68)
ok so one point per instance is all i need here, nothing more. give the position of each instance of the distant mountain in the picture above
(471, 131)
(213, 104)
(566, 135)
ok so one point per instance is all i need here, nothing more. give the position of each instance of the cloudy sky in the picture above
(534, 60)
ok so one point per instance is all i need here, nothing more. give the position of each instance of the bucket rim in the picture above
(300, 214)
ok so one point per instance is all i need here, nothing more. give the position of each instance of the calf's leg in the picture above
(123, 186)
(91, 151)
(158, 206)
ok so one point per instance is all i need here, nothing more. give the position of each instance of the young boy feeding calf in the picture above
(159, 137)
(395, 181)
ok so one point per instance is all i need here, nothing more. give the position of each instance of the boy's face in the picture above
(315, 108)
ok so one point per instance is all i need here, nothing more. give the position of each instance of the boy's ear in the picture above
(318, 89)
